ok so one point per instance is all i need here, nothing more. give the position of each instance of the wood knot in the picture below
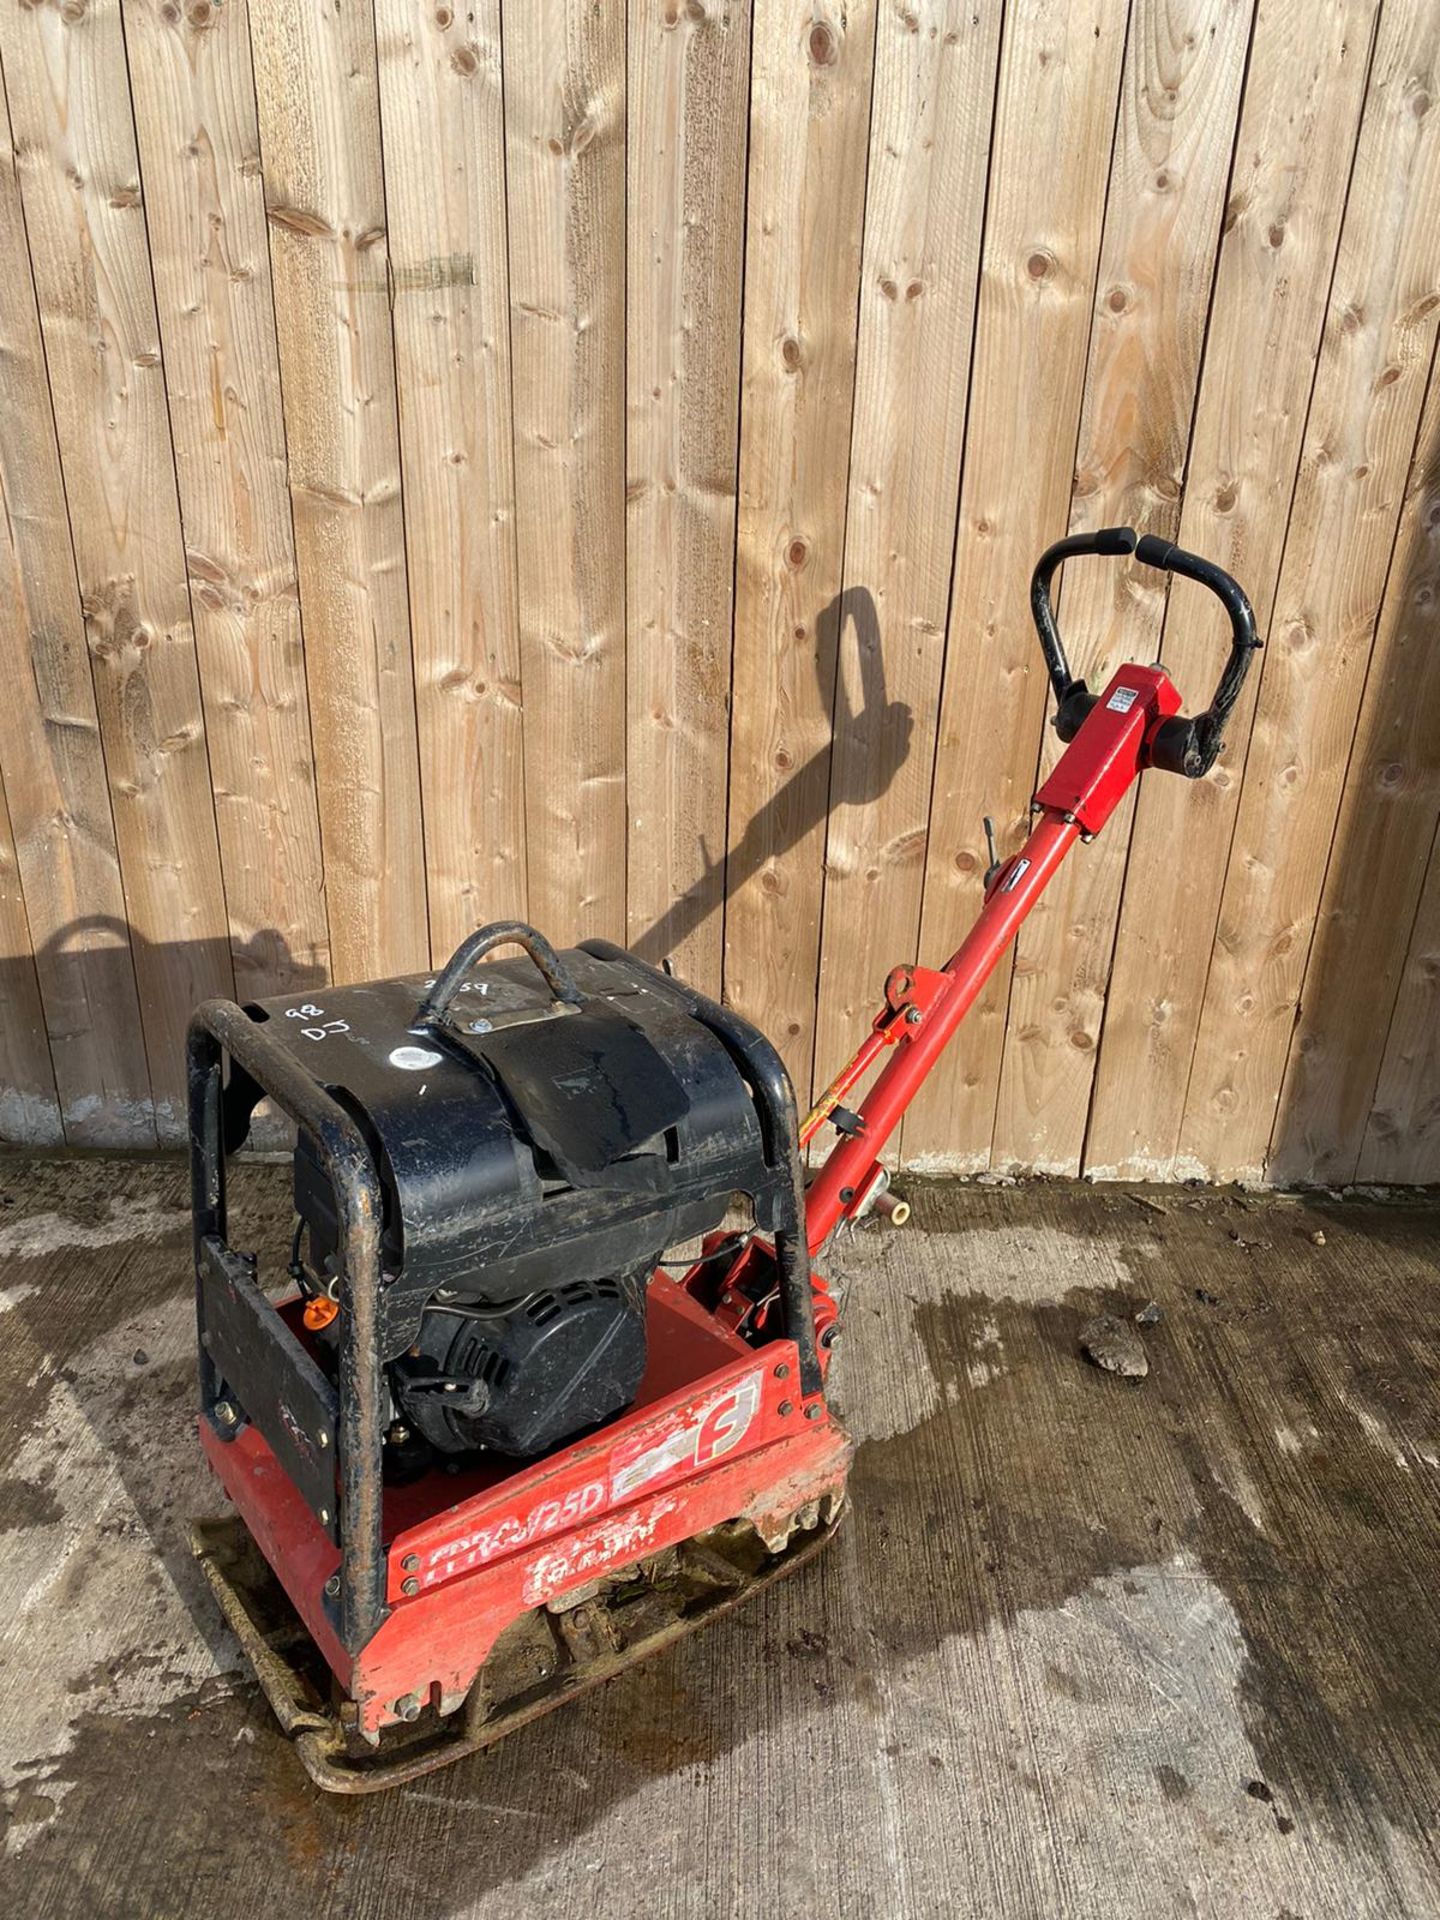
(1040, 265)
(797, 553)
(822, 45)
(464, 60)
(790, 353)
(1236, 208)
(308, 226)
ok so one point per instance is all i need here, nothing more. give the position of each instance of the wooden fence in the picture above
(585, 462)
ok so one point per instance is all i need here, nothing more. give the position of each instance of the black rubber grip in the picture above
(1187, 745)
(1192, 746)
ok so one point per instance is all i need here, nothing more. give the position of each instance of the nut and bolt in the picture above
(410, 1586)
(476, 1026)
(332, 1587)
(225, 1413)
(411, 1563)
(782, 1372)
(324, 1516)
(786, 1406)
(813, 1412)
(408, 1706)
(913, 1017)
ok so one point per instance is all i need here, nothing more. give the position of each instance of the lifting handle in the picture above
(1188, 745)
(500, 933)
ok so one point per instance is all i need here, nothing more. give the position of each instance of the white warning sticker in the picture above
(1122, 699)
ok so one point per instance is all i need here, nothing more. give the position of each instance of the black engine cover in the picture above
(538, 1150)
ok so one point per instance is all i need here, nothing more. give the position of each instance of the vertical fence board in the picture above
(443, 116)
(194, 104)
(565, 122)
(1374, 362)
(934, 94)
(809, 114)
(1382, 839)
(317, 95)
(688, 97)
(1298, 128)
(80, 188)
(1060, 68)
(29, 1105)
(1402, 1140)
(1174, 139)
(50, 749)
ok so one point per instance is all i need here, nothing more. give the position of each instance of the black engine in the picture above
(522, 1377)
(544, 1129)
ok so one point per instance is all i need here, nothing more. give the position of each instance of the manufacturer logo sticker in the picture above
(711, 1432)
(611, 1542)
(504, 1535)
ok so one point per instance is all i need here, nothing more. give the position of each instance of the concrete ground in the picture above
(1085, 1645)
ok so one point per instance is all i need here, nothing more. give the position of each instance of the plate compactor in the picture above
(498, 1443)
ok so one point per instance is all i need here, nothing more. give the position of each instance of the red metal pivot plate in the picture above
(1093, 773)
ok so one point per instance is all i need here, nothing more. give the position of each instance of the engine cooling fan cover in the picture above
(521, 1377)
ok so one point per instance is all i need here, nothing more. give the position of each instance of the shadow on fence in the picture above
(1334, 1091)
(813, 790)
(96, 976)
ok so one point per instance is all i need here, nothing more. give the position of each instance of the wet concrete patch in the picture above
(1071, 1622)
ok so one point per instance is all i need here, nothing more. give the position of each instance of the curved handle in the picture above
(1073, 699)
(1188, 745)
(500, 933)
(1192, 745)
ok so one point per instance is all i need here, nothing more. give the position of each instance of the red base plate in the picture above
(718, 1432)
